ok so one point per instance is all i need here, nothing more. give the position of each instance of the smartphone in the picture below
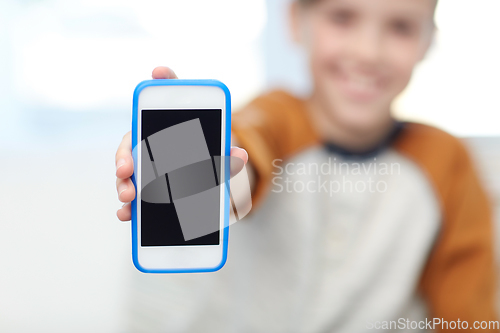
(180, 140)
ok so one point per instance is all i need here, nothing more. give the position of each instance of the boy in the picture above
(360, 222)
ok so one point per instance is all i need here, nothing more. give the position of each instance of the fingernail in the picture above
(122, 188)
(245, 152)
(121, 162)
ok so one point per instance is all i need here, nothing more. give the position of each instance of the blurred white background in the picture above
(67, 73)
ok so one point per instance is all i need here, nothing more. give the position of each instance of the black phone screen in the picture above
(179, 147)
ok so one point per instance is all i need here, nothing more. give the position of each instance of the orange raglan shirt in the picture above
(456, 275)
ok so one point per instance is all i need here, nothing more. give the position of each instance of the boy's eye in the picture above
(341, 16)
(402, 27)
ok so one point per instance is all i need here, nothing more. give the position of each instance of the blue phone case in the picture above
(135, 115)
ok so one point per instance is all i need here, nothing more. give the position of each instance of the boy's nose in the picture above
(366, 46)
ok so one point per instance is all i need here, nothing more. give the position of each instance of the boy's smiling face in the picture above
(362, 53)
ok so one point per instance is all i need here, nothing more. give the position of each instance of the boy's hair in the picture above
(309, 2)
(306, 2)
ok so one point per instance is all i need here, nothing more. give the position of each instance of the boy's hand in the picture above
(125, 163)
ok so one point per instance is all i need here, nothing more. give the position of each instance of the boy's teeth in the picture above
(362, 80)
(362, 83)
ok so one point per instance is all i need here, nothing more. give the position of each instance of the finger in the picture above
(241, 154)
(125, 189)
(162, 72)
(123, 159)
(124, 213)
